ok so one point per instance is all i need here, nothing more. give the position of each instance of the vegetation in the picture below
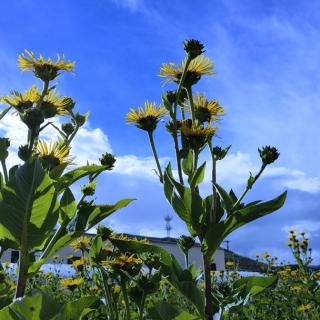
(117, 277)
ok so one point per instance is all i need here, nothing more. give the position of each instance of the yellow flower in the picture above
(53, 154)
(53, 105)
(81, 244)
(22, 101)
(79, 263)
(206, 110)
(305, 307)
(296, 289)
(199, 66)
(266, 255)
(147, 118)
(197, 135)
(7, 264)
(71, 283)
(123, 261)
(230, 264)
(45, 69)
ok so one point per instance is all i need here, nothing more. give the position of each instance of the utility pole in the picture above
(168, 227)
(227, 242)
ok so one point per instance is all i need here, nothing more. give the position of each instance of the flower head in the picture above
(147, 118)
(45, 69)
(71, 283)
(206, 110)
(52, 155)
(268, 154)
(82, 243)
(197, 135)
(198, 67)
(193, 48)
(53, 105)
(22, 101)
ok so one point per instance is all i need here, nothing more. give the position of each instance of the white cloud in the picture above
(312, 228)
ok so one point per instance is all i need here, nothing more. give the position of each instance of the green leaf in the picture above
(187, 163)
(68, 205)
(254, 285)
(198, 176)
(72, 176)
(35, 305)
(225, 198)
(28, 206)
(4, 112)
(163, 311)
(75, 310)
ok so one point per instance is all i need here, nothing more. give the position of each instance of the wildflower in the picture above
(7, 264)
(193, 48)
(53, 155)
(185, 243)
(79, 119)
(71, 283)
(32, 117)
(123, 262)
(45, 69)
(53, 105)
(81, 244)
(292, 231)
(206, 110)
(266, 255)
(104, 232)
(22, 101)
(230, 264)
(197, 135)
(268, 154)
(55, 257)
(79, 264)
(198, 67)
(296, 289)
(304, 307)
(147, 118)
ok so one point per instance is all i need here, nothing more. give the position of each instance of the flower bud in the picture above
(4, 145)
(193, 48)
(67, 128)
(79, 119)
(89, 189)
(220, 153)
(268, 154)
(24, 152)
(104, 232)
(185, 243)
(32, 118)
(108, 160)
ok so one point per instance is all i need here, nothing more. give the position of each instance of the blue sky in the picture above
(266, 56)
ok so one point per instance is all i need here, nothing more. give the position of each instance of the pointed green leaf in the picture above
(197, 176)
(68, 205)
(187, 163)
(4, 112)
(226, 200)
(28, 206)
(254, 285)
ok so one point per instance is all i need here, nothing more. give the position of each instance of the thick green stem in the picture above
(141, 307)
(5, 172)
(192, 107)
(125, 297)
(213, 215)
(107, 295)
(208, 287)
(250, 186)
(154, 151)
(23, 273)
(186, 259)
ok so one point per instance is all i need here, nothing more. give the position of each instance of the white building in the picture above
(169, 244)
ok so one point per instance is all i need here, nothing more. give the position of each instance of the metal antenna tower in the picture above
(168, 227)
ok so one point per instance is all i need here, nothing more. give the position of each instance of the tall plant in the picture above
(38, 211)
(192, 126)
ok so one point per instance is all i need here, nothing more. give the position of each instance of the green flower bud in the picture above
(89, 189)
(67, 128)
(24, 152)
(4, 145)
(79, 119)
(107, 159)
(185, 243)
(220, 153)
(32, 118)
(104, 232)
(193, 48)
(170, 127)
(268, 154)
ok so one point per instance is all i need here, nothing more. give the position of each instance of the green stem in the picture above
(125, 297)
(23, 272)
(213, 215)
(5, 172)
(208, 287)
(32, 138)
(186, 259)
(69, 140)
(154, 151)
(192, 107)
(107, 295)
(141, 307)
(248, 187)
(44, 93)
